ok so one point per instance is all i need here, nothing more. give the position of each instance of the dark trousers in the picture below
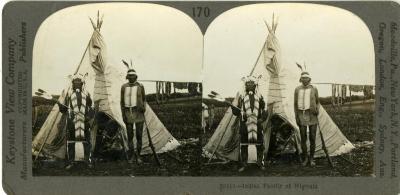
(303, 134)
(139, 133)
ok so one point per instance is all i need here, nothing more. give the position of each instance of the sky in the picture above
(163, 43)
(166, 44)
(335, 45)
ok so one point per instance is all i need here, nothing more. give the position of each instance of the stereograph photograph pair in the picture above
(140, 89)
(136, 103)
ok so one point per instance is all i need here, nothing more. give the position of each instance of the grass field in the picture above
(356, 123)
(182, 119)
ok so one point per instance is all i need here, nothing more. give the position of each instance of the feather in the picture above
(131, 64)
(305, 67)
(214, 93)
(126, 64)
(298, 65)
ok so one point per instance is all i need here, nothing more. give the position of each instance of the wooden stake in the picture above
(151, 143)
(324, 146)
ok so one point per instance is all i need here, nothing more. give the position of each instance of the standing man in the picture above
(133, 107)
(306, 109)
(78, 106)
(251, 113)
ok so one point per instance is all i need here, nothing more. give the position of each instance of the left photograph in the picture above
(117, 91)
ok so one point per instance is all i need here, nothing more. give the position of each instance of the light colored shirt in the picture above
(130, 96)
(304, 99)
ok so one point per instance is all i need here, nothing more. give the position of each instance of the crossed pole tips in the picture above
(99, 21)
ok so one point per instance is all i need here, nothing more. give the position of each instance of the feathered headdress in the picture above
(131, 71)
(249, 79)
(78, 76)
(303, 69)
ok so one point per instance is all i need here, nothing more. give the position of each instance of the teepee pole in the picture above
(323, 145)
(83, 56)
(259, 55)
(151, 142)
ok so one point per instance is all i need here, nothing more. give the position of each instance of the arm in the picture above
(316, 101)
(63, 109)
(296, 106)
(144, 98)
(63, 106)
(262, 115)
(235, 110)
(89, 101)
(122, 102)
(89, 111)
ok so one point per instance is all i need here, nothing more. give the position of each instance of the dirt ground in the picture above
(356, 123)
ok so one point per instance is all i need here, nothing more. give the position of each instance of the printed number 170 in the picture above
(201, 12)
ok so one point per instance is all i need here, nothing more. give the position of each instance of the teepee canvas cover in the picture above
(278, 90)
(104, 84)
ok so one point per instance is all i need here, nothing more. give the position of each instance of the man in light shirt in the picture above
(133, 107)
(306, 109)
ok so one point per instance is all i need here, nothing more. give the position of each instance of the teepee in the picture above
(104, 84)
(278, 90)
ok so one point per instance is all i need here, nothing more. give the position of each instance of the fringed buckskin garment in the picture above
(250, 107)
(78, 105)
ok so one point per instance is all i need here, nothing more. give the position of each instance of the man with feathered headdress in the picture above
(133, 101)
(251, 113)
(78, 105)
(306, 109)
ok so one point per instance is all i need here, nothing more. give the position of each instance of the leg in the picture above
(303, 137)
(70, 146)
(313, 133)
(88, 147)
(243, 157)
(139, 134)
(260, 148)
(243, 148)
(129, 130)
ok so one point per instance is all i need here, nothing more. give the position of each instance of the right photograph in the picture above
(288, 90)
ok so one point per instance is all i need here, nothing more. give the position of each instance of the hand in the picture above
(298, 121)
(260, 121)
(315, 111)
(62, 107)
